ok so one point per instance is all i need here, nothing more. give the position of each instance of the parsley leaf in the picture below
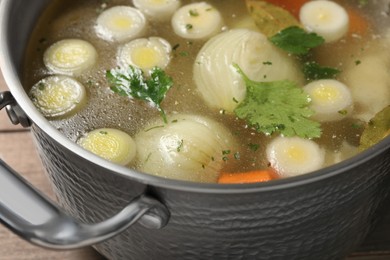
(314, 71)
(132, 82)
(278, 106)
(296, 40)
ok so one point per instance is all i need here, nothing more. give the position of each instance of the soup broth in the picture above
(103, 108)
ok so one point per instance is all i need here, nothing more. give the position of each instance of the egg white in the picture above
(197, 21)
(121, 23)
(58, 96)
(70, 57)
(145, 53)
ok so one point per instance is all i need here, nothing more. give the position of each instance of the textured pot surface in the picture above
(320, 220)
(324, 215)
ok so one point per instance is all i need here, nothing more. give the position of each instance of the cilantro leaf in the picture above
(132, 82)
(278, 106)
(295, 40)
(314, 71)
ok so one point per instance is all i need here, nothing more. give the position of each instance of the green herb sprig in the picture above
(278, 106)
(314, 71)
(297, 41)
(131, 81)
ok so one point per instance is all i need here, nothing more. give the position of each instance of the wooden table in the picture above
(17, 149)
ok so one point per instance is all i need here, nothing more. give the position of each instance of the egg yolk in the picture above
(70, 55)
(323, 16)
(57, 96)
(296, 154)
(325, 94)
(158, 2)
(121, 22)
(102, 144)
(145, 57)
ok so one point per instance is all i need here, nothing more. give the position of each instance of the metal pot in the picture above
(322, 215)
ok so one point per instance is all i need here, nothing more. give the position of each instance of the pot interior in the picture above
(19, 16)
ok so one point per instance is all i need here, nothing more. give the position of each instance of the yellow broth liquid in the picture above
(76, 19)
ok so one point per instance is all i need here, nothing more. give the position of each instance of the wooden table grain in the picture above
(17, 149)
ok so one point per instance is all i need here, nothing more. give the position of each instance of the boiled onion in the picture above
(188, 148)
(218, 81)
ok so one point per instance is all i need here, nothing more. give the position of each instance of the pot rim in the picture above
(13, 82)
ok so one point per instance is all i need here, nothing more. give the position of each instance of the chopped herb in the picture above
(154, 127)
(267, 63)
(189, 26)
(357, 125)
(132, 82)
(212, 158)
(235, 100)
(363, 2)
(147, 158)
(41, 86)
(343, 112)
(174, 121)
(203, 166)
(358, 62)
(253, 147)
(175, 47)
(278, 106)
(226, 152)
(193, 13)
(237, 155)
(103, 132)
(296, 40)
(184, 53)
(180, 146)
(225, 158)
(314, 71)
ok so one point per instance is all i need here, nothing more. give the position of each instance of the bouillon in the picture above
(214, 91)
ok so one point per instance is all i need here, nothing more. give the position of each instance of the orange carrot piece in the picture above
(357, 22)
(293, 6)
(247, 177)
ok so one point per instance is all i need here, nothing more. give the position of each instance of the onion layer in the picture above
(188, 148)
(218, 81)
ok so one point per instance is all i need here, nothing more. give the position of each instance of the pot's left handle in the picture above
(37, 219)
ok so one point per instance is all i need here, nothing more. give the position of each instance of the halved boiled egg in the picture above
(57, 96)
(160, 10)
(330, 99)
(197, 21)
(326, 18)
(145, 53)
(111, 144)
(292, 156)
(70, 57)
(121, 23)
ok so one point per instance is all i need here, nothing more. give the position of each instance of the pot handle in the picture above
(35, 218)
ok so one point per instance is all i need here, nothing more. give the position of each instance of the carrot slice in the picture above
(247, 177)
(358, 24)
(293, 6)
